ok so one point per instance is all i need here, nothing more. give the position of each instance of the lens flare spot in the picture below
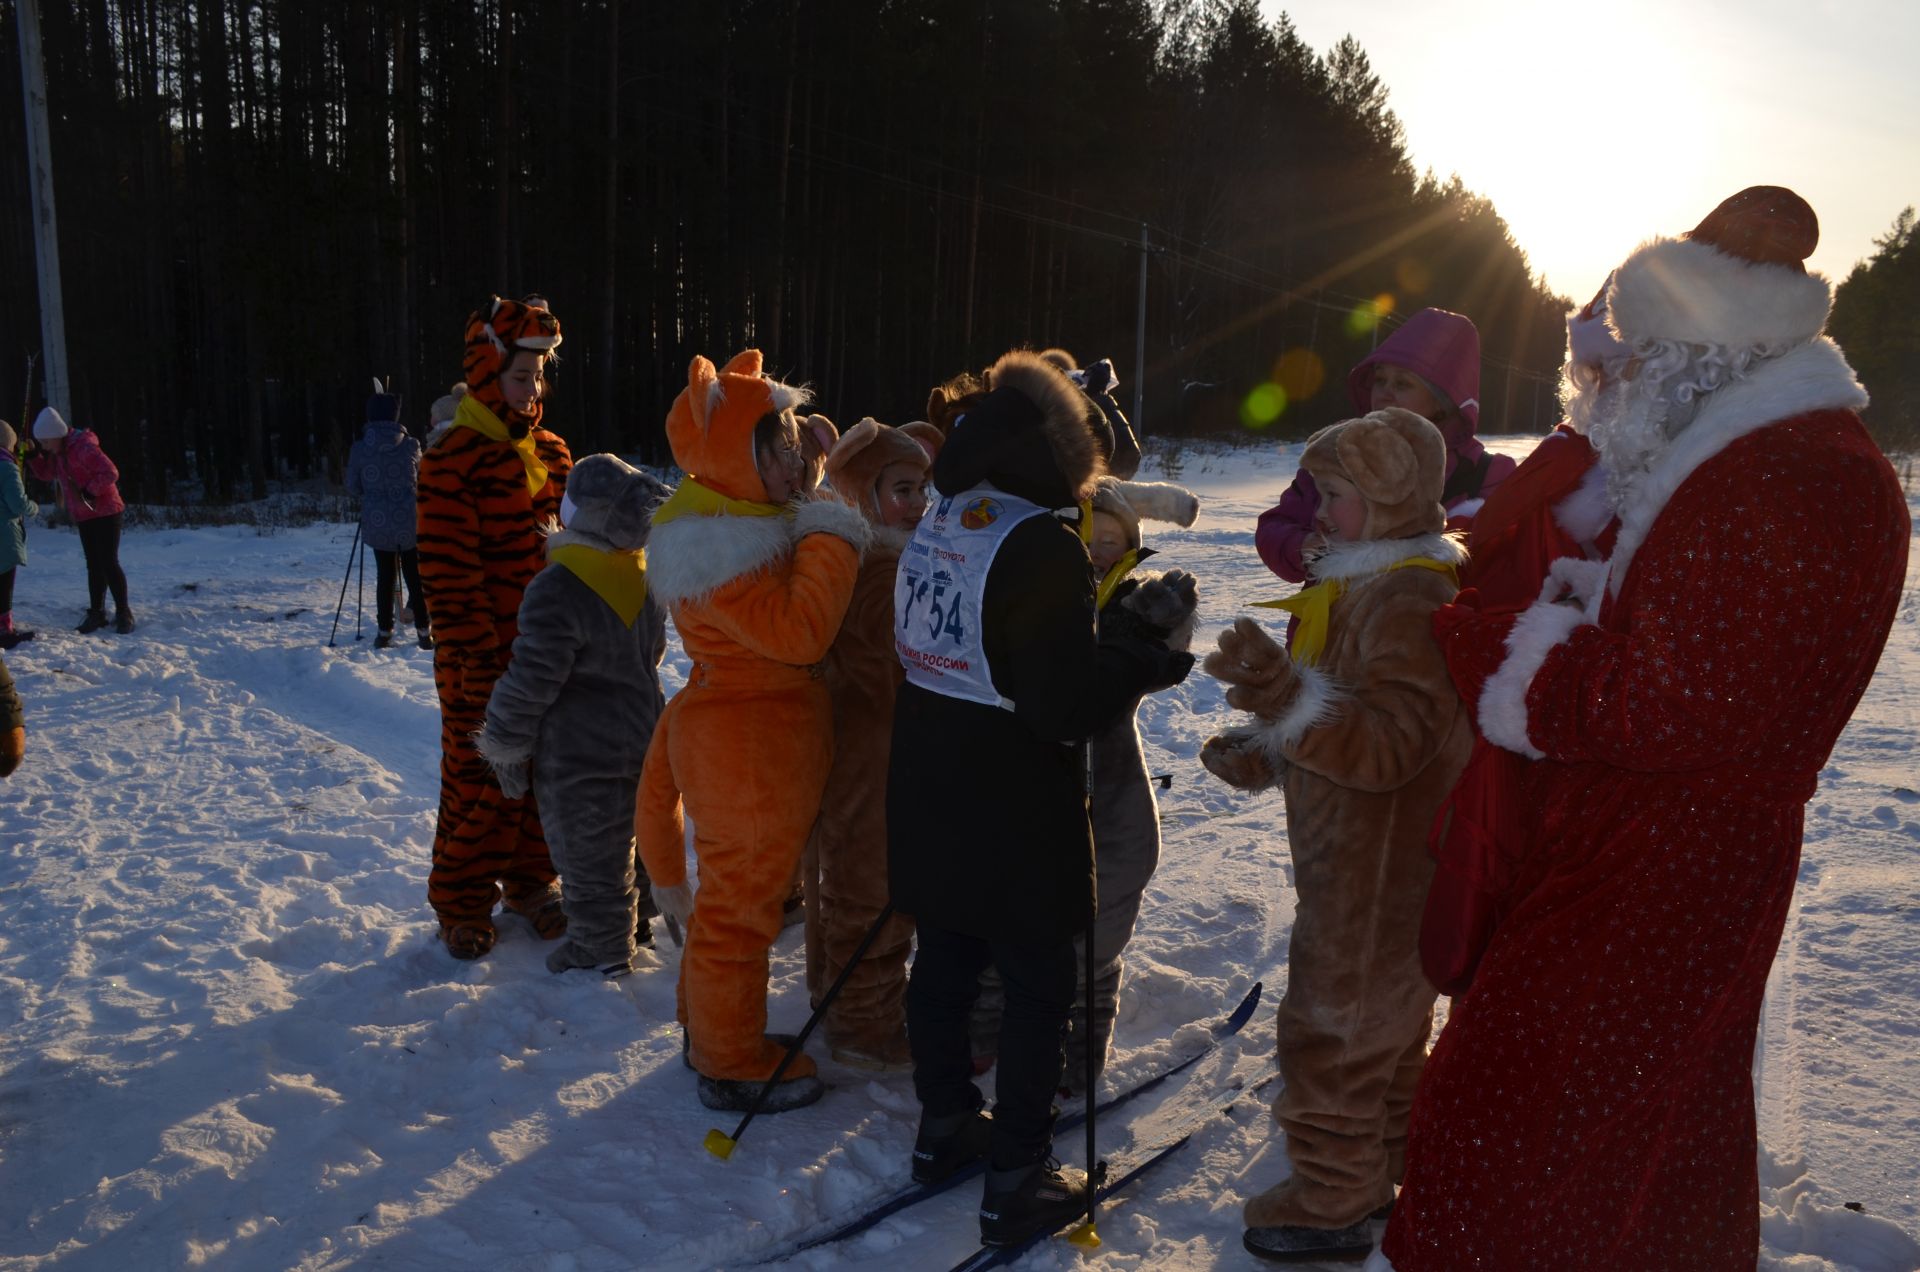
(1413, 276)
(1263, 406)
(1366, 315)
(1299, 373)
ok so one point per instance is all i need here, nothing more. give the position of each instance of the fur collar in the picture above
(691, 557)
(1353, 561)
(1813, 377)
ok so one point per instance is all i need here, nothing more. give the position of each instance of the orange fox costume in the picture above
(757, 593)
(485, 485)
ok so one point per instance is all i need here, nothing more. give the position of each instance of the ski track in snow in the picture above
(237, 1044)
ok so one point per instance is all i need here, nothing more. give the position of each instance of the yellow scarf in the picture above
(471, 414)
(1115, 577)
(618, 578)
(1313, 606)
(695, 500)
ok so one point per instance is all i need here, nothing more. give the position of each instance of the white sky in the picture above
(1594, 126)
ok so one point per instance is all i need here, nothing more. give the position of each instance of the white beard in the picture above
(1629, 428)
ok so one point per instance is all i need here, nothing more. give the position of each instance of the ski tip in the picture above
(719, 1145)
(1245, 1010)
(1085, 1236)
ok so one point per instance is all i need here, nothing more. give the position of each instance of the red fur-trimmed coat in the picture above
(1590, 1103)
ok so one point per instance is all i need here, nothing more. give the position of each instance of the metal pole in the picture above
(1140, 344)
(46, 238)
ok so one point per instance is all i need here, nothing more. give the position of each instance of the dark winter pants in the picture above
(408, 560)
(6, 591)
(1038, 979)
(100, 541)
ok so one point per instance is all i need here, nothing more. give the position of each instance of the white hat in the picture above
(48, 425)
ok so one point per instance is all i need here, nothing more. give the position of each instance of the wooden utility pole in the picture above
(1140, 342)
(46, 237)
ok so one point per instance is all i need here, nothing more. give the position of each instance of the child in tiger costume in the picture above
(757, 578)
(485, 487)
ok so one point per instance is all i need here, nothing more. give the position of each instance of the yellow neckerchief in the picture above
(695, 500)
(1118, 575)
(471, 414)
(618, 578)
(1313, 606)
(1085, 528)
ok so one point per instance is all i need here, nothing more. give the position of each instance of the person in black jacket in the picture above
(989, 845)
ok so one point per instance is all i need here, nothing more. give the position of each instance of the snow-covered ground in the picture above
(232, 1042)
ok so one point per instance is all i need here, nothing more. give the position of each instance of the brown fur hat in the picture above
(1060, 358)
(1398, 463)
(867, 449)
(1063, 410)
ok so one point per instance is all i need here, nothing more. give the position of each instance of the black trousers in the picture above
(6, 591)
(408, 559)
(1039, 980)
(100, 541)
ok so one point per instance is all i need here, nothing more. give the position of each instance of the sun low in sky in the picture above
(1593, 127)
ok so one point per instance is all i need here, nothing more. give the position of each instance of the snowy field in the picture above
(232, 1041)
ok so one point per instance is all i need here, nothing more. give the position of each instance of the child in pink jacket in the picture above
(1430, 366)
(89, 490)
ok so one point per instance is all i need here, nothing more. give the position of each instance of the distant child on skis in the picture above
(574, 711)
(383, 472)
(988, 843)
(1120, 803)
(1361, 726)
(757, 576)
(15, 508)
(882, 472)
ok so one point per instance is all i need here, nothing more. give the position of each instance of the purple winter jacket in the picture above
(88, 481)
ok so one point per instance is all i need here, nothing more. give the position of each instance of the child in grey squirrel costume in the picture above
(576, 708)
(1121, 806)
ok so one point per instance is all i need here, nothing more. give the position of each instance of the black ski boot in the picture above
(426, 639)
(123, 621)
(951, 1142)
(1040, 1197)
(93, 622)
(1293, 1243)
(383, 640)
(730, 1095)
(14, 636)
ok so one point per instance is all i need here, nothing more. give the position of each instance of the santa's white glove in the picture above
(675, 902)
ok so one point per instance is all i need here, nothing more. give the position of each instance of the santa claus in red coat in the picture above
(1590, 1103)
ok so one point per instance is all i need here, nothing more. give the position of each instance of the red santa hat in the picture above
(1735, 280)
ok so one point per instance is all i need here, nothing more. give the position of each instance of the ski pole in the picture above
(722, 1146)
(1086, 1236)
(360, 590)
(341, 604)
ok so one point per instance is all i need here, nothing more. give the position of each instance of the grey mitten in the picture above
(1165, 605)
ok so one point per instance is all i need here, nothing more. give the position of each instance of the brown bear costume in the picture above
(1366, 740)
(845, 865)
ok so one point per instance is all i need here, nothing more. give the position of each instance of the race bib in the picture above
(938, 592)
